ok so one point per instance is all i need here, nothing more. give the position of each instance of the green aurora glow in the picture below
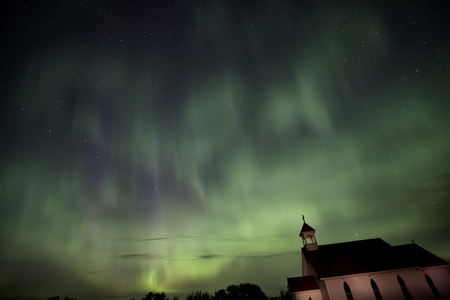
(175, 148)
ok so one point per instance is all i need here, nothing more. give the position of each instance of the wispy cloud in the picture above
(161, 238)
(258, 255)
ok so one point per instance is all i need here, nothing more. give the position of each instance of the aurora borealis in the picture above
(169, 147)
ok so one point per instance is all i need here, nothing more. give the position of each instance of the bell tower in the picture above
(307, 233)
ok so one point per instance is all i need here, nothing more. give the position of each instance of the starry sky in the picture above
(174, 146)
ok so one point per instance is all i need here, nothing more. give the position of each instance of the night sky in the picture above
(170, 147)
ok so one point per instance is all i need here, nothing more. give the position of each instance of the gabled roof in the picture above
(367, 256)
(304, 283)
(306, 228)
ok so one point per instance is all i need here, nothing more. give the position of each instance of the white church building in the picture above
(368, 269)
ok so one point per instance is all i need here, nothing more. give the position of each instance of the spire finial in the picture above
(303, 217)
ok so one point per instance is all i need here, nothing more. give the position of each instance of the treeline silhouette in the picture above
(242, 291)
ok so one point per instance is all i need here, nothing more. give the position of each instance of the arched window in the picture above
(375, 289)
(432, 286)
(404, 288)
(348, 292)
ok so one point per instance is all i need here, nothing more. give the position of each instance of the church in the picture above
(368, 269)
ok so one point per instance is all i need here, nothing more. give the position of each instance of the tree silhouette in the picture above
(243, 291)
(220, 295)
(155, 296)
(199, 295)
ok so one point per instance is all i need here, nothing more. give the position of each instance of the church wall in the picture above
(305, 268)
(323, 290)
(387, 284)
(359, 286)
(313, 294)
(416, 284)
(441, 279)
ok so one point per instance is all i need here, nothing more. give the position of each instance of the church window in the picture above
(432, 286)
(348, 292)
(404, 288)
(375, 289)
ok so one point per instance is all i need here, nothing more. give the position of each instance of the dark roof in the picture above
(367, 256)
(413, 252)
(304, 283)
(305, 228)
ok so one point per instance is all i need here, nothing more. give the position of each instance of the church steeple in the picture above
(307, 233)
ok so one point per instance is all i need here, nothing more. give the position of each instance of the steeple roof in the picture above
(306, 227)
